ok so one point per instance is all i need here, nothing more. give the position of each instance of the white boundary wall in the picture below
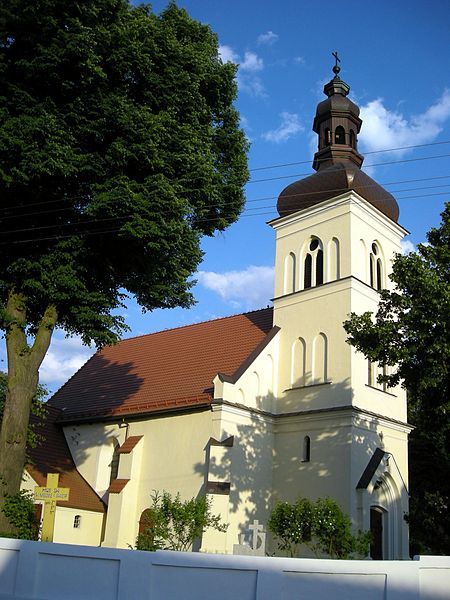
(44, 571)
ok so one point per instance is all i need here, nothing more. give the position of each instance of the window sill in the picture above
(310, 385)
(372, 387)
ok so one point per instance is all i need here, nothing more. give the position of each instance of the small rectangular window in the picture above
(77, 521)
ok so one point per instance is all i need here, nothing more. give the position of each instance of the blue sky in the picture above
(396, 59)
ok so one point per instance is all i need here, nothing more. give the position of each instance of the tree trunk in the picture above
(23, 376)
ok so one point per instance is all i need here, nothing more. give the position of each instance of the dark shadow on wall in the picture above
(266, 462)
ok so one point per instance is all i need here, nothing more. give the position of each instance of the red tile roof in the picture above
(169, 370)
(129, 444)
(53, 456)
(117, 485)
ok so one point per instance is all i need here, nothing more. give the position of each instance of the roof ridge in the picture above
(134, 337)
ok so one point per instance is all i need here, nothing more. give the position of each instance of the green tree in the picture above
(320, 526)
(411, 333)
(119, 148)
(173, 524)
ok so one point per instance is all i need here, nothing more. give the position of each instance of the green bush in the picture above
(320, 526)
(173, 524)
(20, 512)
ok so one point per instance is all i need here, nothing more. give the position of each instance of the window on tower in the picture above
(339, 135)
(306, 449)
(313, 264)
(327, 137)
(114, 464)
(376, 268)
(352, 139)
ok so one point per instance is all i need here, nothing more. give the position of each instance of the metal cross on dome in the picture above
(336, 67)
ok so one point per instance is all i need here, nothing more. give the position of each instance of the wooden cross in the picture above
(50, 495)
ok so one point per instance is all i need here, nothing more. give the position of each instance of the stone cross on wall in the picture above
(257, 546)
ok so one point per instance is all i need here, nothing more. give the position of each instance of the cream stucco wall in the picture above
(170, 457)
(249, 464)
(92, 447)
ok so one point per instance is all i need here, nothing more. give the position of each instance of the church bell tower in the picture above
(338, 432)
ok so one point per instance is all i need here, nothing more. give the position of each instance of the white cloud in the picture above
(407, 247)
(289, 126)
(247, 78)
(252, 62)
(268, 38)
(227, 54)
(384, 129)
(250, 288)
(64, 357)
(299, 60)
(251, 84)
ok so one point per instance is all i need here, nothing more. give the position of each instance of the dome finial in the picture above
(336, 68)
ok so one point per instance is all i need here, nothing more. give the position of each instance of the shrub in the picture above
(321, 526)
(173, 524)
(19, 509)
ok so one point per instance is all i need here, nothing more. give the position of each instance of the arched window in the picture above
(370, 373)
(306, 449)
(327, 137)
(374, 370)
(289, 273)
(255, 385)
(308, 271)
(376, 268)
(319, 267)
(320, 358)
(334, 260)
(339, 135)
(114, 464)
(298, 368)
(77, 522)
(352, 139)
(313, 264)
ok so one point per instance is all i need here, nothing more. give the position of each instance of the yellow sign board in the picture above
(48, 493)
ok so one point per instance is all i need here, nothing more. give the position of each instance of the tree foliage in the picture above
(119, 148)
(19, 510)
(173, 524)
(320, 526)
(411, 332)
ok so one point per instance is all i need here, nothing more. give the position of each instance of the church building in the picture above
(263, 406)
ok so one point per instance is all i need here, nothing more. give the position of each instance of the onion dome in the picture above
(337, 161)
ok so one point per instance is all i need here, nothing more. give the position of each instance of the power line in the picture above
(73, 198)
(117, 229)
(382, 164)
(305, 162)
(337, 190)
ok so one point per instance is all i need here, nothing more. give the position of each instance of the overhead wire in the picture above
(245, 213)
(304, 162)
(391, 162)
(264, 198)
(276, 166)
